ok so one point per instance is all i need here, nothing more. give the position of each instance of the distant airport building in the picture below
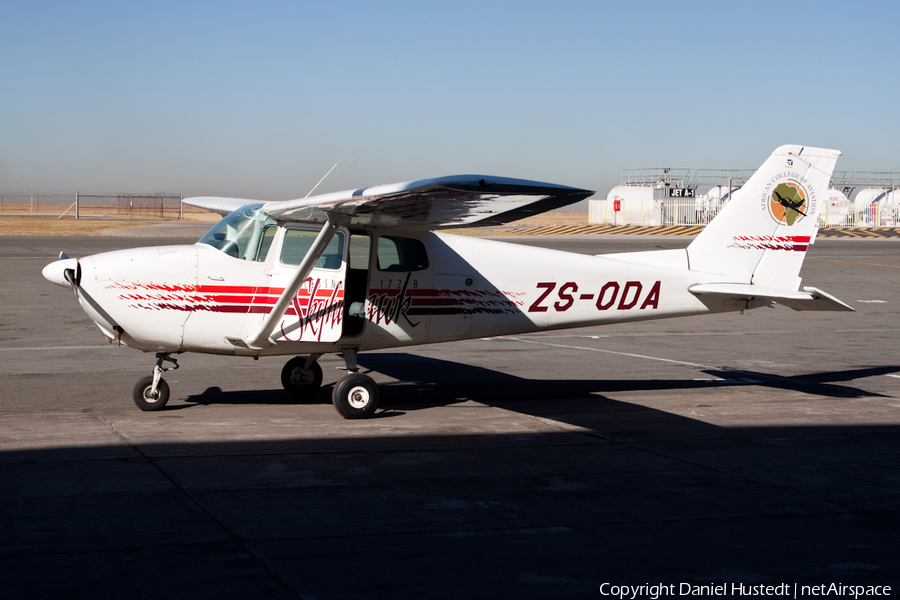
(682, 197)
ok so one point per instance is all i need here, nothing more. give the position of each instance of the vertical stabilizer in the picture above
(762, 235)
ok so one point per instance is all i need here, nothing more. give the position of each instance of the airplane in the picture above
(367, 269)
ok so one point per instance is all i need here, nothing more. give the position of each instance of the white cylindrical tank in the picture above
(710, 203)
(867, 206)
(719, 195)
(835, 211)
(890, 209)
(637, 206)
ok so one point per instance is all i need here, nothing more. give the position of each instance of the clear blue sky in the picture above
(260, 99)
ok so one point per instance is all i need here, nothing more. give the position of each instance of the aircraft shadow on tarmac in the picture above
(671, 496)
(423, 382)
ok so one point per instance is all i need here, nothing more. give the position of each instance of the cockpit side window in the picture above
(266, 242)
(246, 234)
(297, 243)
(401, 254)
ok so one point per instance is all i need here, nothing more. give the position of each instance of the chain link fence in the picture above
(130, 206)
(155, 206)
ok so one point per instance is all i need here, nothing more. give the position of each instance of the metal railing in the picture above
(876, 216)
(697, 212)
(686, 178)
(655, 213)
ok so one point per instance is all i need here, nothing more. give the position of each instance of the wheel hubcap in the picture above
(149, 396)
(301, 377)
(358, 397)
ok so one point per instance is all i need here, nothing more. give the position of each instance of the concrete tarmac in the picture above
(737, 449)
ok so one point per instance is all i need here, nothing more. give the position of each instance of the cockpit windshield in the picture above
(246, 233)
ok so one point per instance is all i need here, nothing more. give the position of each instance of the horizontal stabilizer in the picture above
(223, 206)
(809, 299)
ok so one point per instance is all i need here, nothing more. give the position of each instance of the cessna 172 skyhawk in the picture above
(359, 270)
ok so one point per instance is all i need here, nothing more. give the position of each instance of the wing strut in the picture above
(261, 338)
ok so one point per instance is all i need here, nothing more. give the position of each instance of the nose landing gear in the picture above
(152, 392)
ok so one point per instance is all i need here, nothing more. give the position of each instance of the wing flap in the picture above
(809, 298)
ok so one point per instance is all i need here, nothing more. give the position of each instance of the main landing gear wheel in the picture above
(146, 398)
(355, 396)
(300, 380)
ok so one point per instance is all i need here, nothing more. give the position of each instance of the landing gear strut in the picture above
(152, 392)
(356, 395)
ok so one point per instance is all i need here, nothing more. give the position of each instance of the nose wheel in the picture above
(148, 399)
(152, 392)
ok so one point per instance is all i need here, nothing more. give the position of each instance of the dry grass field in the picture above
(18, 220)
(554, 219)
(65, 226)
(549, 219)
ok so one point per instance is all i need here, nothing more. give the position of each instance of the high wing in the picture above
(444, 202)
(440, 203)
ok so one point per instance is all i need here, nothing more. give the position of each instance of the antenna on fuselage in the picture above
(323, 178)
(342, 174)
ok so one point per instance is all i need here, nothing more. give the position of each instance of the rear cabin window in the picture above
(297, 243)
(358, 253)
(401, 254)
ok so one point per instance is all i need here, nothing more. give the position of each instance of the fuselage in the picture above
(371, 289)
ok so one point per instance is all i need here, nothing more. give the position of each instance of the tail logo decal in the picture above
(787, 200)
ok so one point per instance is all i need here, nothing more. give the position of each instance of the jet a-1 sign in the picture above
(360, 270)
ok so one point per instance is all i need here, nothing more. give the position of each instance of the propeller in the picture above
(73, 276)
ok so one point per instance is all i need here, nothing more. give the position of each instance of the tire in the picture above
(300, 383)
(355, 396)
(142, 394)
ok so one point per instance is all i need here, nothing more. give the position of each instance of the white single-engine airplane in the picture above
(360, 270)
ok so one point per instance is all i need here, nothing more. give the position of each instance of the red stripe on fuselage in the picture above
(237, 289)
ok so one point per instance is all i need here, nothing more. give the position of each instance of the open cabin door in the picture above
(316, 312)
